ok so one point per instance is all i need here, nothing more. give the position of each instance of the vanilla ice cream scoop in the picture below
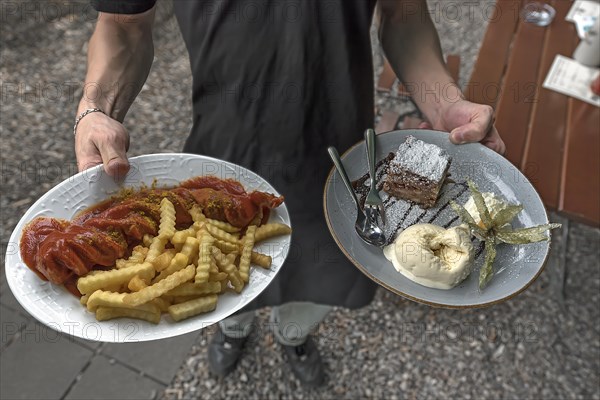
(432, 256)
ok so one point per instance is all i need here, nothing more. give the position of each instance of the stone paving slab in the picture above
(104, 379)
(90, 344)
(7, 298)
(11, 324)
(40, 364)
(159, 358)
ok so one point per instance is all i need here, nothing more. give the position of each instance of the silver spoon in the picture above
(366, 229)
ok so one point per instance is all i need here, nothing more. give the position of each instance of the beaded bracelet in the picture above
(83, 114)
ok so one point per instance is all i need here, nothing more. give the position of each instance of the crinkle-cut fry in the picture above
(219, 257)
(101, 298)
(195, 289)
(262, 260)
(179, 262)
(138, 255)
(115, 288)
(230, 269)
(84, 299)
(220, 234)
(157, 247)
(190, 247)
(213, 266)
(183, 299)
(226, 247)
(198, 225)
(204, 257)
(197, 215)
(166, 228)
(194, 260)
(217, 276)
(259, 259)
(107, 313)
(162, 262)
(160, 288)
(247, 246)
(227, 288)
(269, 230)
(147, 240)
(100, 280)
(180, 236)
(136, 284)
(162, 303)
(232, 257)
(122, 263)
(237, 282)
(224, 226)
(193, 307)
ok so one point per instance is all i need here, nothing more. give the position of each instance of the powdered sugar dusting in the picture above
(423, 159)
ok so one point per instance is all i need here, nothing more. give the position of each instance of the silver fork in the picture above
(373, 203)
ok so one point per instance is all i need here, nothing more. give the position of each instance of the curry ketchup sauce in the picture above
(60, 251)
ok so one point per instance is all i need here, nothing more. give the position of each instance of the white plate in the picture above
(53, 306)
(516, 267)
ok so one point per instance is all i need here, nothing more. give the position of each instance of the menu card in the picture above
(568, 77)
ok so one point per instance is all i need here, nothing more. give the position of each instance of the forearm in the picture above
(120, 55)
(411, 45)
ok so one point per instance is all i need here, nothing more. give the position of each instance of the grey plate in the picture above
(516, 267)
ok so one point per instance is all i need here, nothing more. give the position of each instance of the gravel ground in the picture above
(543, 344)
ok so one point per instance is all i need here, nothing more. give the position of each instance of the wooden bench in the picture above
(552, 138)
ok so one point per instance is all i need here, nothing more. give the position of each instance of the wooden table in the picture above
(554, 139)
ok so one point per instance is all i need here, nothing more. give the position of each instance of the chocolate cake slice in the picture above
(417, 172)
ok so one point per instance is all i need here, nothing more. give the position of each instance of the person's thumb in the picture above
(596, 85)
(425, 125)
(114, 158)
(476, 129)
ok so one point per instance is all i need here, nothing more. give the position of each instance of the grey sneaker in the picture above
(306, 363)
(224, 353)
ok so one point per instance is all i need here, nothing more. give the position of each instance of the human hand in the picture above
(596, 86)
(468, 122)
(102, 140)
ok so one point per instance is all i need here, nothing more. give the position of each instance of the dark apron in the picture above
(274, 84)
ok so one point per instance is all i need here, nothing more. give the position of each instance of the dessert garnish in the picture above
(494, 228)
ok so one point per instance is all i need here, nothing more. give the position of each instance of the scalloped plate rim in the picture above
(126, 329)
